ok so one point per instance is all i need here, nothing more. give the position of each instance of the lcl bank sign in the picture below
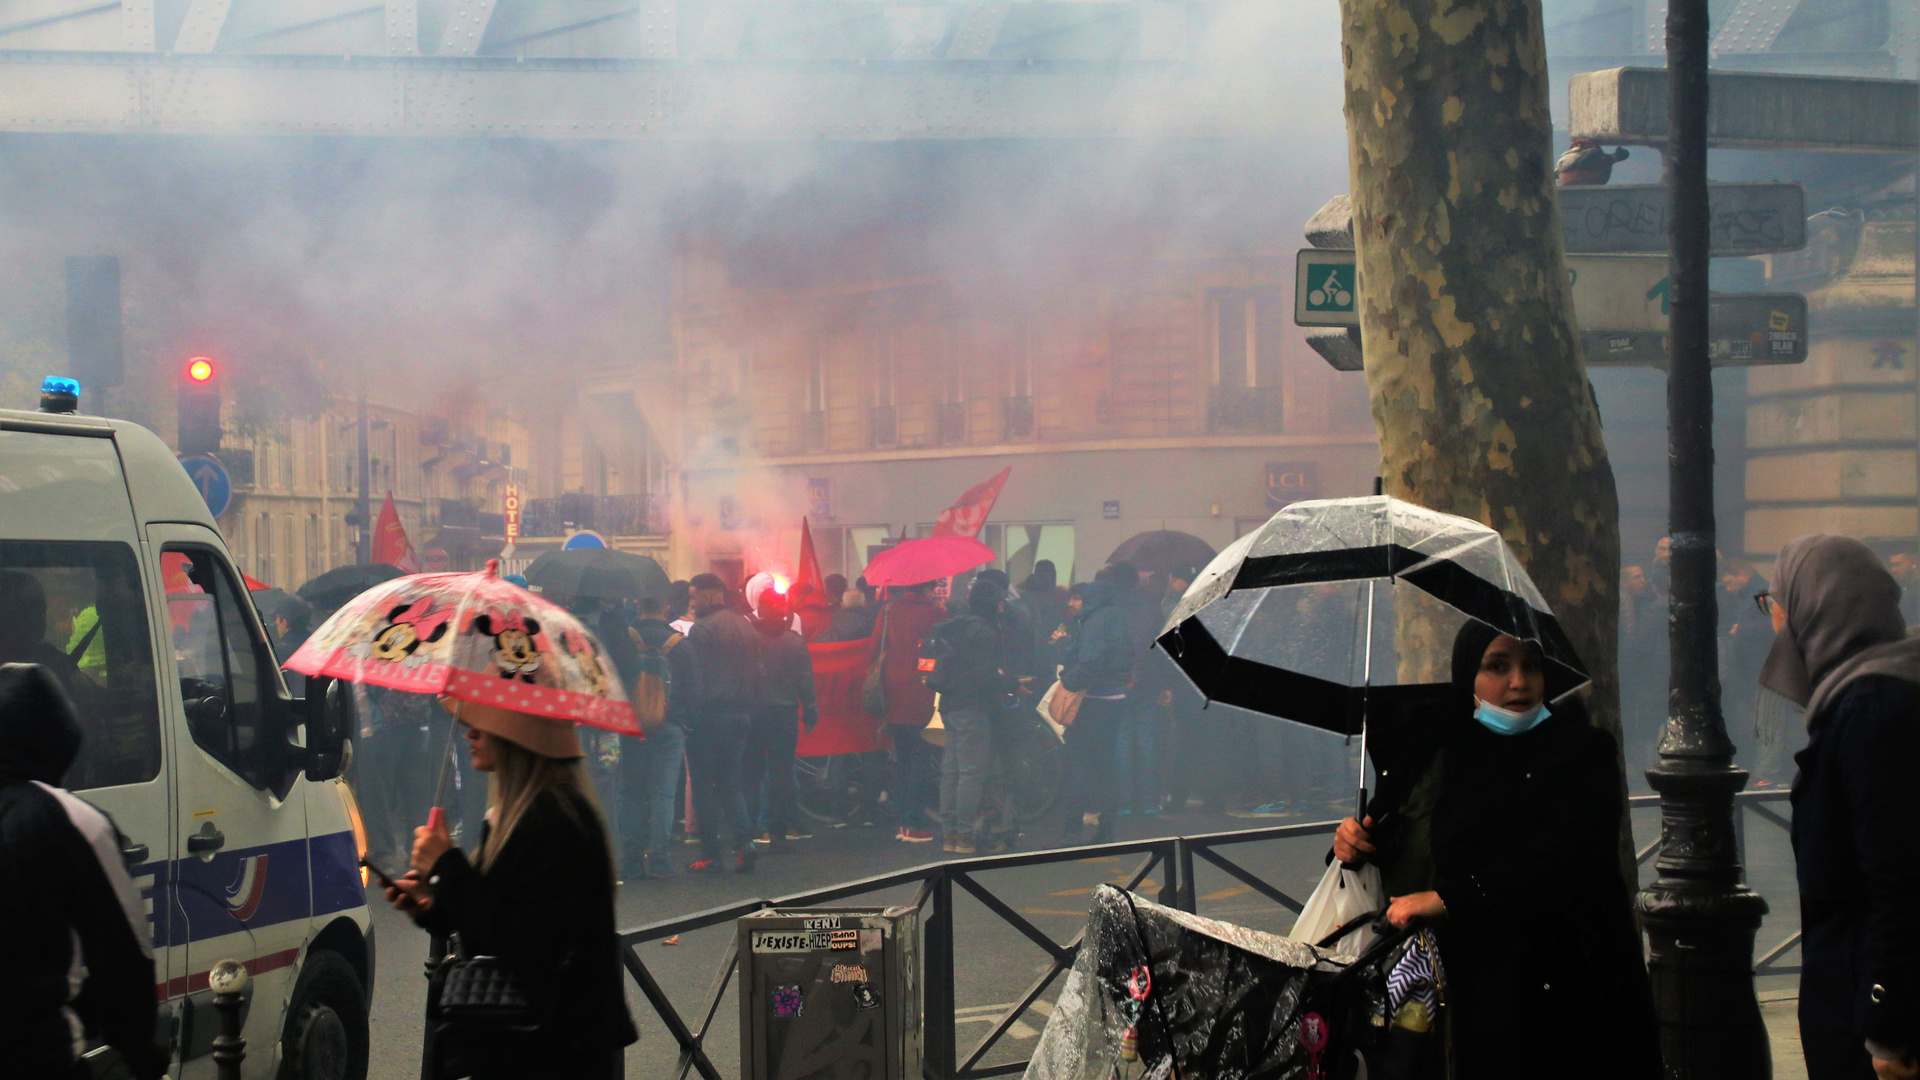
(1291, 481)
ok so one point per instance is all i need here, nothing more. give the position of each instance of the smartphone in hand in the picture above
(385, 878)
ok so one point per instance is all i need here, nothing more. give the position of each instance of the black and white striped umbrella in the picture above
(1338, 609)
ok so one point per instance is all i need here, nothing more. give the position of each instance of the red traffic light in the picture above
(200, 369)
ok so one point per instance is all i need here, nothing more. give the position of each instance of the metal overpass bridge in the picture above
(654, 69)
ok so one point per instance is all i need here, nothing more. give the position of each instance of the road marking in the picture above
(1225, 893)
(1071, 892)
(1051, 911)
(987, 1014)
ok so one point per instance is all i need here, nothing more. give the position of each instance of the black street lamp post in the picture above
(1700, 919)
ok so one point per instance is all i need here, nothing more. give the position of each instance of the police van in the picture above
(243, 839)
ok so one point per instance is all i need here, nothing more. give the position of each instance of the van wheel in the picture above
(326, 1034)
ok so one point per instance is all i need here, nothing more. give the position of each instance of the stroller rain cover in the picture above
(1214, 1002)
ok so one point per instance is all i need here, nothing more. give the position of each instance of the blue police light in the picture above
(59, 394)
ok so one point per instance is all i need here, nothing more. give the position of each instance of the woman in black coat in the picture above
(1841, 650)
(538, 894)
(1508, 845)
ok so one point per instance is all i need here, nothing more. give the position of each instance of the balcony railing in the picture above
(815, 433)
(1018, 417)
(883, 425)
(610, 515)
(1244, 408)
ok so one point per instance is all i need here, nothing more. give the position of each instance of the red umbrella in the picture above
(927, 559)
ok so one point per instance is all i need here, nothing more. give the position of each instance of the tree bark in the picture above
(1478, 386)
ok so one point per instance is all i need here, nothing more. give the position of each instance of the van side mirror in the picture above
(330, 724)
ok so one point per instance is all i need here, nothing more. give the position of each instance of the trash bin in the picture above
(830, 993)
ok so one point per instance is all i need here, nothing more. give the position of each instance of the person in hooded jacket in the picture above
(786, 695)
(1097, 657)
(1506, 843)
(1840, 649)
(78, 952)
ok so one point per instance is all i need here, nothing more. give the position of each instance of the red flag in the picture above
(970, 510)
(808, 596)
(390, 543)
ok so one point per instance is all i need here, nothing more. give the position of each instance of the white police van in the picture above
(243, 839)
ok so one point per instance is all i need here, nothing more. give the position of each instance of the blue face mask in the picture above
(1507, 722)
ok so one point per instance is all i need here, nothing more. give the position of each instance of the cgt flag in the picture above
(390, 543)
(969, 512)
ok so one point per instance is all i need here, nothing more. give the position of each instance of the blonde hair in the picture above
(519, 776)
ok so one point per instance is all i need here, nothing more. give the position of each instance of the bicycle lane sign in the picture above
(1326, 288)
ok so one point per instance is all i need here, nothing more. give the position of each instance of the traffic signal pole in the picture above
(1700, 919)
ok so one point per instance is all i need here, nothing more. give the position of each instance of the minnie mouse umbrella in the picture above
(475, 637)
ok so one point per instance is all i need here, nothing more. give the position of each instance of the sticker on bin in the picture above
(778, 941)
(788, 1000)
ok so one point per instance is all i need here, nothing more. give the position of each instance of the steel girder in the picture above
(133, 94)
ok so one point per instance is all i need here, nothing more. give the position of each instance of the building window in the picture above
(883, 426)
(1245, 325)
(1017, 410)
(815, 415)
(953, 393)
(263, 547)
(316, 550)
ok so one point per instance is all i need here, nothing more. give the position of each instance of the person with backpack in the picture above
(1097, 657)
(786, 693)
(665, 687)
(963, 661)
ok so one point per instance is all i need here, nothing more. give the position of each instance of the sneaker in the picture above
(658, 870)
(764, 838)
(914, 836)
(1089, 819)
(744, 859)
(963, 845)
(949, 842)
(705, 866)
(796, 832)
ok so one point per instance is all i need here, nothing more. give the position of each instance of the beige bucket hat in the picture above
(544, 735)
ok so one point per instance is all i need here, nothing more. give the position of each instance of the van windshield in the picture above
(76, 607)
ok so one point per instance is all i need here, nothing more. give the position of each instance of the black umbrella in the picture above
(1341, 614)
(601, 573)
(1162, 551)
(331, 590)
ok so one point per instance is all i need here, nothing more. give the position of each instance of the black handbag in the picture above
(480, 990)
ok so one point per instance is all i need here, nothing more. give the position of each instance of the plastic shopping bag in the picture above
(1341, 897)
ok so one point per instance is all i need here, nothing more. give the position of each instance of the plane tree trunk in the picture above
(1473, 364)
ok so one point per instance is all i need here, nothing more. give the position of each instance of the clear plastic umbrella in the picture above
(1338, 612)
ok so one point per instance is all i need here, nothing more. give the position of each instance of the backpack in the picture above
(653, 687)
(941, 665)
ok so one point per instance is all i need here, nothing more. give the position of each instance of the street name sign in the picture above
(1326, 288)
(1622, 303)
(1748, 219)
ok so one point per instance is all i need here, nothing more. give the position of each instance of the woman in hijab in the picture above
(1508, 845)
(1840, 649)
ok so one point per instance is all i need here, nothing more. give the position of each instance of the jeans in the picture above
(715, 749)
(1136, 753)
(1089, 747)
(914, 762)
(649, 780)
(768, 771)
(964, 769)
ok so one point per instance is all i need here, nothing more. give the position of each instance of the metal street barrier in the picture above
(1173, 857)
